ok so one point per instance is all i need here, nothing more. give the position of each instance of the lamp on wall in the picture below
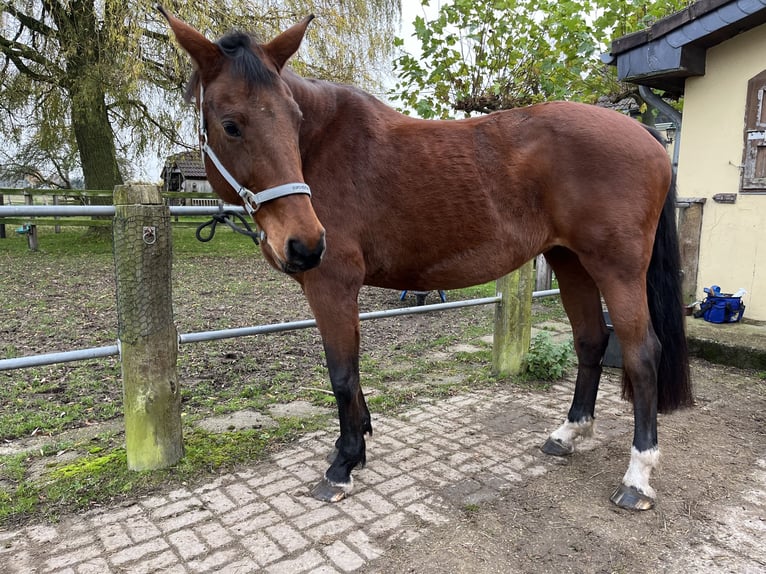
(669, 128)
(670, 133)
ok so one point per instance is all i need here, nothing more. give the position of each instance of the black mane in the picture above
(242, 51)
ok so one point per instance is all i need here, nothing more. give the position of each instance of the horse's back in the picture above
(443, 204)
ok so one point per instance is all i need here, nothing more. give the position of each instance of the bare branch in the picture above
(28, 21)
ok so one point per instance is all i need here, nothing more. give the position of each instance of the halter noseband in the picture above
(252, 201)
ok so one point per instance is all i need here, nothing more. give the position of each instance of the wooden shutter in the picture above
(754, 162)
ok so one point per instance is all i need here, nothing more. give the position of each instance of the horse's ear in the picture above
(287, 43)
(207, 57)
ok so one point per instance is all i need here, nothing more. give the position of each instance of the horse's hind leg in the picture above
(582, 303)
(641, 351)
(337, 314)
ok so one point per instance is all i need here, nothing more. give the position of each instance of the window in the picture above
(754, 161)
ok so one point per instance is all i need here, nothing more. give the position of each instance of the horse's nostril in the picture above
(302, 257)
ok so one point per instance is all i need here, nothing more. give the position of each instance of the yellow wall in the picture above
(733, 242)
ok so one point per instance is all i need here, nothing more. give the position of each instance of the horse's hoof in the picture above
(327, 491)
(631, 498)
(555, 447)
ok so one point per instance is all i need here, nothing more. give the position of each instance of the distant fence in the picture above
(26, 222)
(147, 338)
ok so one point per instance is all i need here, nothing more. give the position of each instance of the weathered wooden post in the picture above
(147, 335)
(689, 230)
(31, 228)
(2, 225)
(513, 321)
(56, 228)
(543, 274)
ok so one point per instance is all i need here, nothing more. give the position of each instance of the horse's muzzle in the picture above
(301, 257)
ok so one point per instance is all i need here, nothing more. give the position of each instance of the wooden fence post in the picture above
(513, 321)
(31, 227)
(147, 335)
(543, 274)
(2, 225)
(689, 230)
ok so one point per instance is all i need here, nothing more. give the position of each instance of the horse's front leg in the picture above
(582, 302)
(337, 317)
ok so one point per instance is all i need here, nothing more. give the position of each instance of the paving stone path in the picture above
(262, 519)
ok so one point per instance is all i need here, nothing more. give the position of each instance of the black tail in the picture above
(663, 282)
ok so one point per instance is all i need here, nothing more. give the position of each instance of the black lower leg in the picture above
(588, 377)
(354, 418)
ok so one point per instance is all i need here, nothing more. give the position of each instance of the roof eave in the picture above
(674, 48)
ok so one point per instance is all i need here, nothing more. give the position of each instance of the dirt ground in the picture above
(710, 515)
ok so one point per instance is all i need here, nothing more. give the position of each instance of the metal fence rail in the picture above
(203, 336)
(102, 210)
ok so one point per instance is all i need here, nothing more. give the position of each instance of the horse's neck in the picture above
(322, 102)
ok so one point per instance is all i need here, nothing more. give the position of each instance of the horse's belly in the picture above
(459, 269)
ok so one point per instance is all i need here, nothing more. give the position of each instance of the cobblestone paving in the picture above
(261, 520)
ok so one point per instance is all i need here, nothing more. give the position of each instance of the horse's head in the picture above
(249, 125)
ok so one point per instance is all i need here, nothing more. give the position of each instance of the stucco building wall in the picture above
(733, 241)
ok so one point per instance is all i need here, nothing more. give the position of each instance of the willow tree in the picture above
(98, 80)
(486, 56)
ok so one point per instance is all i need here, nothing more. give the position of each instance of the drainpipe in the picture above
(675, 118)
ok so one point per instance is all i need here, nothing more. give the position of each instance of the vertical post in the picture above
(2, 225)
(543, 274)
(513, 321)
(32, 231)
(689, 230)
(56, 228)
(147, 335)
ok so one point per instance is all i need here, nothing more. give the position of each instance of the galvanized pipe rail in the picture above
(102, 210)
(197, 337)
(203, 336)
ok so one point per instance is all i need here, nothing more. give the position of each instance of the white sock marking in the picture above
(568, 432)
(640, 469)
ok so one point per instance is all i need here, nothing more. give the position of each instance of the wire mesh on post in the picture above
(147, 334)
(144, 276)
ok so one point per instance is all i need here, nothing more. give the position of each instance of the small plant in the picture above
(548, 360)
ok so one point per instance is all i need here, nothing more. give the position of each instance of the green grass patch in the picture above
(101, 475)
(475, 292)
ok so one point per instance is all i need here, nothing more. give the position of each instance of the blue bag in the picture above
(721, 307)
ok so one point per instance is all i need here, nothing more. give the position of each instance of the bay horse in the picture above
(349, 192)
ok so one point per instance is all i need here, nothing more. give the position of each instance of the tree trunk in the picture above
(95, 139)
(78, 26)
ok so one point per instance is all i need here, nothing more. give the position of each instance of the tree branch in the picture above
(18, 53)
(28, 21)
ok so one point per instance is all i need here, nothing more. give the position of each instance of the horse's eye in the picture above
(231, 129)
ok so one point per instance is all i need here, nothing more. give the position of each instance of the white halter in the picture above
(252, 201)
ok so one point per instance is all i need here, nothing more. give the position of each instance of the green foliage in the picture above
(486, 56)
(548, 360)
(93, 85)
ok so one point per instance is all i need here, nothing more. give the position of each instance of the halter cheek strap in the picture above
(252, 201)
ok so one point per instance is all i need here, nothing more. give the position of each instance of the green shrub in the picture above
(548, 360)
